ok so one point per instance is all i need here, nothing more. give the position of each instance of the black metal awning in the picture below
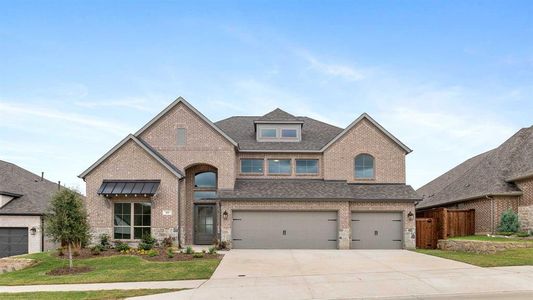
(113, 188)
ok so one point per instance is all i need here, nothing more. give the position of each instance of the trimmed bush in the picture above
(97, 249)
(104, 241)
(189, 250)
(509, 222)
(198, 255)
(147, 242)
(121, 246)
(170, 253)
(212, 250)
(153, 253)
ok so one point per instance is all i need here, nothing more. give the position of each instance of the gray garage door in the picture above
(284, 230)
(13, 241)
(377, 230)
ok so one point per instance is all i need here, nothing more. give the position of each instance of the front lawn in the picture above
(120, 268)
(87, 295)
(490, 238)
(514, 257)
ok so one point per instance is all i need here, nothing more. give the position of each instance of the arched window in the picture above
(364, 166)
(205, 185)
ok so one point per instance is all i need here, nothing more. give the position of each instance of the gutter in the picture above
(518, 178)
(517, 193)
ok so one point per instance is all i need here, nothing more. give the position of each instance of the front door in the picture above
(204, 224)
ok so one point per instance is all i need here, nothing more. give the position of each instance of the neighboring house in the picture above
(272, 181)
(490, 183)
(24, 198)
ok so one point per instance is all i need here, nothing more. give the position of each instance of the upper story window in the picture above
(279, 132)
(205, 185)
(364, 166)
(252, 166)
(181, 136)
(268, 133)
(289, 133)
(279, 166)
(307, 166)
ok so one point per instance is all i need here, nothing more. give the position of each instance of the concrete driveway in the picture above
(352, 274)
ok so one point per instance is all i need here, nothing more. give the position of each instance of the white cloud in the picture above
(343, 71)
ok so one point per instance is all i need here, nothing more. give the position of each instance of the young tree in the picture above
(66, 220)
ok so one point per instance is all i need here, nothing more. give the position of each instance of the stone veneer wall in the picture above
(343, 208)
(525, 208)
(364, 137)
(480, 247)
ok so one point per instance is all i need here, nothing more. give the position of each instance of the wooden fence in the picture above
(426, 233)
(447, 223)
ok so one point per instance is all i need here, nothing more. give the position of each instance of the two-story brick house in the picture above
(272, 181)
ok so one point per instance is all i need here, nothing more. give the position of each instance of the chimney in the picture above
(59, 185)
(42, 176)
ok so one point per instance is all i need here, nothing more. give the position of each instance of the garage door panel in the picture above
(13, 241)
(284, 230)
(377, 230)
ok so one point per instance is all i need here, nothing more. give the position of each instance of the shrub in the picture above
(104, 241)
(60, 251)
(97, 249)
(204, 251)
(522, 234)
(153, 253)
(198, 255)
(121, 246)
(170, 253)
(167, 242)
(147, 242)
(509, 222)
(212, 250)
(189, 250)
(221, 245)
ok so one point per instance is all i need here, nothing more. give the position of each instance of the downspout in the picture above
(491, 213)
(178, 212)
(42, 233)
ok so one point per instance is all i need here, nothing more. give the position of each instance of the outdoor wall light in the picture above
(33, 231)
(410, 216)
(225, 215)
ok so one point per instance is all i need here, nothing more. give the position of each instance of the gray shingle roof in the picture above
(36, 194)
(315, 189)
(279, 115)
(315, 134)
(484, 174)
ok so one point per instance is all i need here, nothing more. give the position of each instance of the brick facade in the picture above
(525, 209)
(207, 149)
(364, 137)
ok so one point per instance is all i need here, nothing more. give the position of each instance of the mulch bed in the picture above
(86, 253)
(68, 271)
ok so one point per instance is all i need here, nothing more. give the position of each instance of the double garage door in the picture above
(13, 241)
(314, 230)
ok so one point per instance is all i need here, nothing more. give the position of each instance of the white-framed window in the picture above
(364, 166)
(279, 166)
(289, 133)
(268, 133)
(307, 166)
(252, 166)
(131, 220)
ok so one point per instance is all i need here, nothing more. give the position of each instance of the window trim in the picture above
(276, 134)
(279, 174)
(296, 137)
(252, 173)
(306, 173)
(373, 177)
(132, 219)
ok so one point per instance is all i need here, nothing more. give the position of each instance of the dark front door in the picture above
(204, 224)
(13, 241)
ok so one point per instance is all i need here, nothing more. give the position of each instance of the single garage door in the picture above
(377, 230)
(13, 241)
(284, 230)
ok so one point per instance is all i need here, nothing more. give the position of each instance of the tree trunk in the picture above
(69, 255)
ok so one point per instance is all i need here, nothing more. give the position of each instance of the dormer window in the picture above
(279, 132)
(268, 133)
(289, 133)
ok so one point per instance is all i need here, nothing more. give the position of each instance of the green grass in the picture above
(109, 269)
(87, 295)
(514, 257)
(489, 239)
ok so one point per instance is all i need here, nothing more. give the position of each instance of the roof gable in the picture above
(152, 152)
(362, 117)
(194, 110)
(278, 116)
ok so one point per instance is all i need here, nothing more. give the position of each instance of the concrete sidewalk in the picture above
(175, 284)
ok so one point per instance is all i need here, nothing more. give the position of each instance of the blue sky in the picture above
(451, 79)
